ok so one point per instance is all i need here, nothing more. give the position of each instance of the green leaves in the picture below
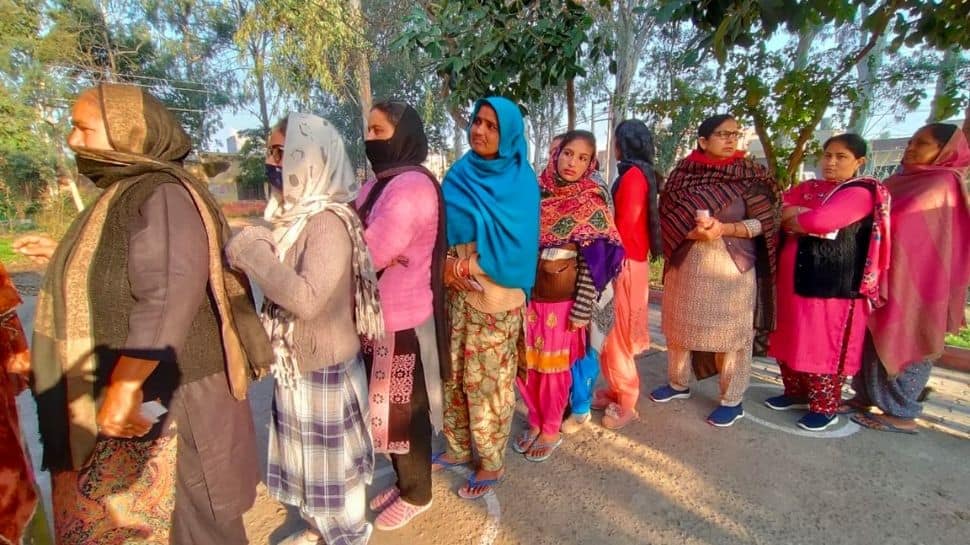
(518, 48)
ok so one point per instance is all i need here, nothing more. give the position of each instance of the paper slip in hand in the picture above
(152, 411)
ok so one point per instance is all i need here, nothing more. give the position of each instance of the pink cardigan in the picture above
(400, 237)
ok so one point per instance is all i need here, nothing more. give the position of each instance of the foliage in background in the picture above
(677, 90)
(323, 69)
(516, 49)
(940, 24)
(785, 93)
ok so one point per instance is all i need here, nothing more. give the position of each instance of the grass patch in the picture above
(961, 339)
(657, 273)
(9, 257)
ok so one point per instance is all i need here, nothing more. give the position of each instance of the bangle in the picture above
(466, 269)
(454, 268)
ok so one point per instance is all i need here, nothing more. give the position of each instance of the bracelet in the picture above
(454, 268)
(467, 267)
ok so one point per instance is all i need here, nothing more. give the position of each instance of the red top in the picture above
(631, 214)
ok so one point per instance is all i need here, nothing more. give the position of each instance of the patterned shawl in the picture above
(931, 259)
(579, 213)
(317, 177)
(147, 140)
(699, 183)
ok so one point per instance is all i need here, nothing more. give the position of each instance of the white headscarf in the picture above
(317, 177)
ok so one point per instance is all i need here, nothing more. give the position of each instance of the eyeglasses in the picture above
(275, 153)
(728, 135)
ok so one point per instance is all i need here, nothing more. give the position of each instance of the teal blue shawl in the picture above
(495, 202)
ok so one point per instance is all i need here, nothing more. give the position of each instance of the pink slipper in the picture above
(399, 514)
(384, 498)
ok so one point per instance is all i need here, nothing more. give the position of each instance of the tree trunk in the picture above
(362, 70)
(867, 69)
(259, 72)
(571, 104)
(942, 107)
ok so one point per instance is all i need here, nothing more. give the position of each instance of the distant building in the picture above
(235, 143)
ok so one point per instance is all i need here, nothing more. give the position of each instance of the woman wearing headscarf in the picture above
(138, 306)
(18, 492)
(580, 254)
(492, 211)
(321, 291)
(635, 199)
(928, 279)
(720, 231)
(404, 214)
(831, 274)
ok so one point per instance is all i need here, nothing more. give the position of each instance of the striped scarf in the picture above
(700, 183)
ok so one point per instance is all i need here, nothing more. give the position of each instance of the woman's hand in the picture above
(17, 368)
(39, 248)
(707, 229)
(119, 415)
(575, 326)
(791, 225)
(453, 280)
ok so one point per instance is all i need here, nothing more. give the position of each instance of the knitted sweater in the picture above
(314, 283)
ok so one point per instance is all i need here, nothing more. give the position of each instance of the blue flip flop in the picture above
(437, 460)
(485, 485)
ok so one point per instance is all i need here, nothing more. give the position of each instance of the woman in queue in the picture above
(927, 281)
(720, 227)
(580, 254)
(492, 212)
(638, 221)
(315, 271)
(403, 212)
(831, 275)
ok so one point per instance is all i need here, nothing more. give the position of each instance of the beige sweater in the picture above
(314, 283)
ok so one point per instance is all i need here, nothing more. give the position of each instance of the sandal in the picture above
(874, 422)
(541, 446)
(851, 406)
(483, 486)
(524, 441)
(601, 400)
(438, 462)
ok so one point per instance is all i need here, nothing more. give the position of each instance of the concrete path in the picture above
(673, 479)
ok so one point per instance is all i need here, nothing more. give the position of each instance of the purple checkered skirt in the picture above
(319, 444)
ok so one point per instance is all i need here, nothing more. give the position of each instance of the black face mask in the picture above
(381, 154)
(274, 175)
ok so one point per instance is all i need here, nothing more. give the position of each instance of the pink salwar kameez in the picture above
(818, 340)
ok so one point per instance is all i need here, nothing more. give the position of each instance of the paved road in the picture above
(673, 479)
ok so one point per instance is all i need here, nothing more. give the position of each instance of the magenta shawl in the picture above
(930, 266)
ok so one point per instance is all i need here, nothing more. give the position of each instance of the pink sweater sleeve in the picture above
(405, 207)
(843, 209)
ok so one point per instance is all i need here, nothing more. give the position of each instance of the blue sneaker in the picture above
(817, 421)
(786, 403)
(666, 393)
(723, 417)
